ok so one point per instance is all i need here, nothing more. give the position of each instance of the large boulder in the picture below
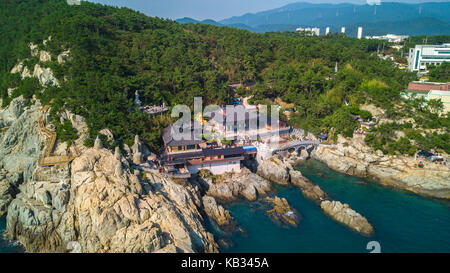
(348, 217)
(309, 190)
(235, 185)
(216, 211)
(275, 170)
(281, 212)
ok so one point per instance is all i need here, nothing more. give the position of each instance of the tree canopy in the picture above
(116, 51)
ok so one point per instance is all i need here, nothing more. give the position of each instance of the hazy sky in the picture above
(216, 9)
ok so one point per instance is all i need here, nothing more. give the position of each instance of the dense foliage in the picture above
(116, 51)
(440, 73)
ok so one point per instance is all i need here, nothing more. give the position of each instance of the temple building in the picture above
(181, 158)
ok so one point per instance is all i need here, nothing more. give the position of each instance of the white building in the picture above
(316, 31)
(343, 30)
(327, 30)
(423, 55)
(374, 2)
(312, 31)
(393, 38)
(360, 31)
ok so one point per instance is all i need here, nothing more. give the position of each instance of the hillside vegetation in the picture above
(116, 51)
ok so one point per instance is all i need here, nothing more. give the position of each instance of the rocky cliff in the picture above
(20, 146)
(354, 157)
(95, 202)
(233, 186)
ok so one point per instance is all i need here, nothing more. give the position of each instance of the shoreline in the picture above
(354, 158)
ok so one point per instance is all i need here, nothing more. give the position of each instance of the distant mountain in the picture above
(411, 19)
(187, 20)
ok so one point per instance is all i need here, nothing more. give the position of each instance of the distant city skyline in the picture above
(219, 9)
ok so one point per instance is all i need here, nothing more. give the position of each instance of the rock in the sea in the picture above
(250, 193)
(348, 217)
(216, 211)
(309, 190)
(282, 213)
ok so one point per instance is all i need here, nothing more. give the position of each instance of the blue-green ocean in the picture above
(7, 246)
(403, 222)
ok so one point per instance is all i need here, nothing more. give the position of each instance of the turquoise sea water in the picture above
(5, 245)
(403, 222)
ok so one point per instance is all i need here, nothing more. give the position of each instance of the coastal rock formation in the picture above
(216, 211)
(282, 213)
(89, 203)
(278, 167)
(20, 146)
(275, 170)
(94, 202)
(9, 187)
(310, 190)
(348, 217)
(354, 157)
(235, 185)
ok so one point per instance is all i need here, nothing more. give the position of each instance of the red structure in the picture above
(427, 86)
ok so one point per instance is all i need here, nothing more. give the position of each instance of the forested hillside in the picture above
(115, 52)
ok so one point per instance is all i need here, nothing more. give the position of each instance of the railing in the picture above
(295, 144)
(178, 175)
(47, 159)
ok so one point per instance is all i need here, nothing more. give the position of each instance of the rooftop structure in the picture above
(423, 55)
(312, 31)
(151, 110)
(428, 86)
(248, 124)
(154, 110)
(188, 142)
(186, 157)
(393, 38)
